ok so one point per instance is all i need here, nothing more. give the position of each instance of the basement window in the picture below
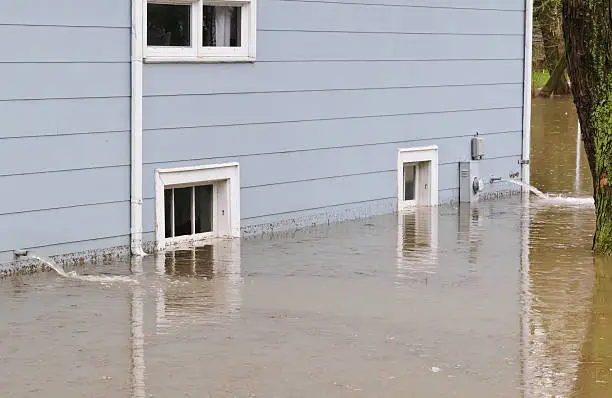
(200, 30)
(417, 177)
(196, 204)
(188, 210)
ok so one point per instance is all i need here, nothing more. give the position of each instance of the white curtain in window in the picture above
(223, 25)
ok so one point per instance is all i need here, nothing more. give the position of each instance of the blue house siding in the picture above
(315, 122)
(65, 120)
(337, 87)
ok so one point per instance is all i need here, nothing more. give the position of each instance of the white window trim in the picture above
(172, 52)
(227, 209)
(197, 53)
(417, 155)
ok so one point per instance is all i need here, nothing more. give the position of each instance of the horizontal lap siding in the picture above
(53, 153)
(307, 47)
(355, 17)
(65, 81)
(338, 86)
(220, 110)
(326, 76)
(83, 13)
(65, 120)
(63, 226)
(43, 191)
(177, 145)
(295, 166)
(66, 44)
(503, 5)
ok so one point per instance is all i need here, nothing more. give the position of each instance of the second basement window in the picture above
(200, 30)
(189, 210)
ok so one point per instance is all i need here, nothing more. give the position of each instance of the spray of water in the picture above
(569, 201)
(553, 198)
(530, 188)
(88, 278)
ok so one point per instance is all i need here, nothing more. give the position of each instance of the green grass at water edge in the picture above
(539, 78)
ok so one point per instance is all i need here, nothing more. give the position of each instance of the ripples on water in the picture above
(502, 299)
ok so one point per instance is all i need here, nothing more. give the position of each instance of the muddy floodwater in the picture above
(503, 299)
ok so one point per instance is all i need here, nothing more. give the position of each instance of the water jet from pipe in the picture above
(73, 275)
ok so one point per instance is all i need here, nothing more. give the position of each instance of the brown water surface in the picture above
(502, 299)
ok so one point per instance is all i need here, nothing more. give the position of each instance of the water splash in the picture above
(530, 188)
(551, 198)
(556, 199)
(88, 278)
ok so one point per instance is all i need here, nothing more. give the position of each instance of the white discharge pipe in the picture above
(136, 130)
(527, 91)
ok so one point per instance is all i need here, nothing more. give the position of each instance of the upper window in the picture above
(200, 30)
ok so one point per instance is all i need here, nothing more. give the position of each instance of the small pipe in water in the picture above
(18, 253)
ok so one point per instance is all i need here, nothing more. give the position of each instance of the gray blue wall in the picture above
(315, 123)
(64, 125)
(338, 86)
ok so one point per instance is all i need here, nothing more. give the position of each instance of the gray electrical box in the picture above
(470, 184)
(477, 148)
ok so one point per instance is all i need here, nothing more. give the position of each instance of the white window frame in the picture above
(200, 237)
(198, 53)
(225, 179)
(417, 155)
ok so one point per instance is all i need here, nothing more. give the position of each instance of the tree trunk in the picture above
(546, 13)
(557, 83)
(587, 26)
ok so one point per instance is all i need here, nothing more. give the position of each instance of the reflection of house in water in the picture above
(195, 262)
(469, 231)
(418, 240)
(196, 285)
(417, 244)
(201, 284)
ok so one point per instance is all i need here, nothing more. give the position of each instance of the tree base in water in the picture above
(587, 26)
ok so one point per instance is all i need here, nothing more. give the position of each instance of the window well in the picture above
(417, 177)
(195, 204)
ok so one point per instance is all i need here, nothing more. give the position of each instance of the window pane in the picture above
(169, 25)
(221, 26)
(409, 174)
(168, 211)
(182, 211)
(203, 208)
